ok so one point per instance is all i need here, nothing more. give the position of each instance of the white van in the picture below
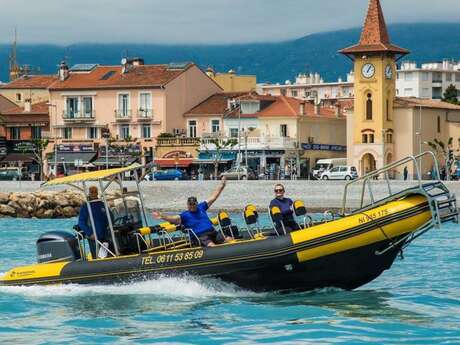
(323, 165)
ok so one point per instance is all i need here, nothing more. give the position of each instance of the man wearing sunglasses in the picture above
(197, 219)
(285, 206)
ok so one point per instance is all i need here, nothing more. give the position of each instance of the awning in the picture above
(114, 161)
(210, 157)
(18, 157)
(172, 162)
(75, 158)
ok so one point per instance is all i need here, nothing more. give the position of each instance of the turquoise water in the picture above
(416, 302)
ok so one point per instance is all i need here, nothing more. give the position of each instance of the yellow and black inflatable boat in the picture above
(346, 253)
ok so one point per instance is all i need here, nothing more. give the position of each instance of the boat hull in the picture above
(342, 253)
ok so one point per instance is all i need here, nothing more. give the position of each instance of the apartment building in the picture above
(131, 103)
(232, 82)
(311, 87)
(33, 88)
(429, 80)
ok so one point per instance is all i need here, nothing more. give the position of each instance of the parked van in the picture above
(340, 173)
(323, 165)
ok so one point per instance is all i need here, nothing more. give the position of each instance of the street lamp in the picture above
(50, 105)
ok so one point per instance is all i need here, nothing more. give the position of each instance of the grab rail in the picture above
(366, 179)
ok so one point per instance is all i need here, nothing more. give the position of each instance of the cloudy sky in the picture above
(199, 21)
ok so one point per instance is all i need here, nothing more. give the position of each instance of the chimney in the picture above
(27, 105)
(137, 61)
(124, 65)
(302, 109)
(63, 71)
(210, 72)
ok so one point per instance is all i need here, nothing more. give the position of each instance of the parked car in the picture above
(340, 173)
(243, 172)
(167, 175)
(323, 165)
(13, 174)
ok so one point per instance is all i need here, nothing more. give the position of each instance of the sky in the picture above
(199, 21)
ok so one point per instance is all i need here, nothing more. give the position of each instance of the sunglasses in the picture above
(192, 203)
(279, 190)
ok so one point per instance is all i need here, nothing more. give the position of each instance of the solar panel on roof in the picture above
(83, 67)
(107, 75)
(178, 65)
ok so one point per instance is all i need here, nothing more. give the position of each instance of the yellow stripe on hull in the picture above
(372, 236)
(36, 271)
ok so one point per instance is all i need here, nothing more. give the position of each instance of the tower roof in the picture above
(374, 36)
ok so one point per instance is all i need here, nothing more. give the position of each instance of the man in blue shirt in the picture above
(197, 219)
(99, 217)
(285, 206)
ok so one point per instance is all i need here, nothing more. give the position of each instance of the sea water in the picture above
(417, 301)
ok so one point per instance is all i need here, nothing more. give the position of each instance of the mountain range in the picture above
(271, 62)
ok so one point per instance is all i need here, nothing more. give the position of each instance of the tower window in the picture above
(371, 138)
(364, 138)
(369, 107)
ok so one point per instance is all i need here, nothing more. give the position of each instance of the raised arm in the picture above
(175, 219)
(217, 192)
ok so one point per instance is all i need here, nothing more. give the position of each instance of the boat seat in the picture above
(277, 218)
(226, 226)
(300, 211)
(251, 218)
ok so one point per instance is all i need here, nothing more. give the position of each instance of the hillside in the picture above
(274, 62)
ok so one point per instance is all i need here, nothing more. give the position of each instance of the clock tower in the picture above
(370, 127)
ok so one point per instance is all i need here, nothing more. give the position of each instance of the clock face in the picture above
(368, 70)
(389, 72)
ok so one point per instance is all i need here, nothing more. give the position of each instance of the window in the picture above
(369, 107)
(448, 76)
(72, 107)
(408, 76)
(425, 76)
(67, 133)
(36, 132)
(145, 104)
(364, 138)
(92, 133)
(215, 126)
(19, 97)
(87, 106)
(389, 138)
(439, 124)
(343, 169)
(15, 133)
(408, 91)
(283, 92)
(437, 77)
(457, 77)
(283, 131)
(192, 128)
(294, 93)
(124, 132)
(371, 138)
(146, 131)
(123, 105)
(233, 132)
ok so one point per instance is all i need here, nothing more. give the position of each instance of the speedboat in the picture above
(345, 251)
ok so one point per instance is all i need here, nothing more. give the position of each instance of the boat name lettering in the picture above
(173, 257)
(374, 215)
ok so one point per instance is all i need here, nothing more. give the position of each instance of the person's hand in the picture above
(156, 214)
(224, 181)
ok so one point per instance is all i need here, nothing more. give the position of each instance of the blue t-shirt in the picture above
(100, 220)
(198, 221)
(285, 206)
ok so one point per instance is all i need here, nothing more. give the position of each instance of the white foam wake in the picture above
(174, 287)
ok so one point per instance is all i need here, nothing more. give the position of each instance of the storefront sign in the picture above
(75, 148)
(24, 146)
(116, 150)
(324, 147)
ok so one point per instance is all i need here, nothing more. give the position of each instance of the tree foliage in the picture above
(451, 94)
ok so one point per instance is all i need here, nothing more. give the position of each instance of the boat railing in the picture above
(368, 180)
(442, 203)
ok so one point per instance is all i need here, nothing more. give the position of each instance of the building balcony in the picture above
(178, 141)
(257, 143)
(123, 114)
(144, 114)
(79, 116)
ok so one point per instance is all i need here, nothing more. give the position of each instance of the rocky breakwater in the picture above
(41, 204)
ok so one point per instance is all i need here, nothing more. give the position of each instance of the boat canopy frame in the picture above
(104, 179)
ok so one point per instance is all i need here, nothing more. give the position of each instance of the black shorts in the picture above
(210, 237)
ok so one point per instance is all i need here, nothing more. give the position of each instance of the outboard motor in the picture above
(57, 246)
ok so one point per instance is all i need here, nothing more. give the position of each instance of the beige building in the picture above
(384, 128)
(131, 102)
(232, 82)
(33, 88)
